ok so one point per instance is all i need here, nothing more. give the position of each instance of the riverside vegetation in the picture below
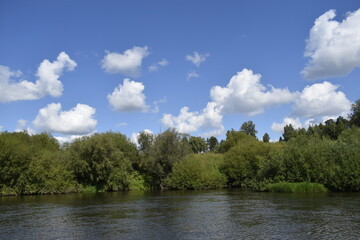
(320, 158)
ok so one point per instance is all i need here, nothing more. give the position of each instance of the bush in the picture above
(197, 171)
(302, 187)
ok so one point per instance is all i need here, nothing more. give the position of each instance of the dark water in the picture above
(220, 214)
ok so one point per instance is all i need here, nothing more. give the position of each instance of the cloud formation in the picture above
(128, 97)
(210, 120)
(316, 103)
(48, 82)
(279, 127)
(127, 63)
(77, 121)
(197, 58)
(245, 94)
(333, 47)
(321, 100)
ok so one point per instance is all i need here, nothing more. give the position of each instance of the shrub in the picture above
(197, 171)
(302, 187)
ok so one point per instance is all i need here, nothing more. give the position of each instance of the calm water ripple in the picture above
(219, 214)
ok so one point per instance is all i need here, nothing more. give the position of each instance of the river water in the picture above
(218, 214)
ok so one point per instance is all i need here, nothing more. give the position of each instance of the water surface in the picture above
(218, 214)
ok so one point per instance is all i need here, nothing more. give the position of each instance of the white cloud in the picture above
(192, 74)
(315, 104)
(48, 82)
(127, 63)
(1, 127)
(163, 62)
(321, 100)
(186, 122)
(333, 47)
(197, 58)
(128, 97)
(122, 124)
(77, 121)
(70, 138)
(279, 127)
(154, 67)
(245, 94)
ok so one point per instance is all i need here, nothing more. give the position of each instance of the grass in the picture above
(301, 187)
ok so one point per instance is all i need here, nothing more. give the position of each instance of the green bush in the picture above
(302, 187)
(197, 171)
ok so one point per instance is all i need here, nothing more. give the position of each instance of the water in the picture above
(219, 214)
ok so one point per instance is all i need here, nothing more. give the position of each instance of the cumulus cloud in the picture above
(245, 94)
(197, 58)
(77, 121)
(186, 122)
(321, 100)
(127, 63)
(279, 127)
(128, 97)
(48, 82)
(333, 47)
(315, 104)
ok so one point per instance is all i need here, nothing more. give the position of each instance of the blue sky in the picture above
(72, 68)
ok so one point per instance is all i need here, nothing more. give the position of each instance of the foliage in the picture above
(242, 162)
(266, 138)
(212, 143)
(301, 187)
(103, 160)
(248, 128)
(197, 171)
(198, 144)
(355, 114)
(168, 148)
(33, 165)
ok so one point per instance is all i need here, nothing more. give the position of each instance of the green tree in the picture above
(354, 116)
(289, 132)
(198, 144)
(212, 143)
(168, 148)
(266, 138)
(104, 161)
(145, 141)
(248, 128)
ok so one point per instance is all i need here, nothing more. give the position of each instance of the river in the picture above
(217, 214)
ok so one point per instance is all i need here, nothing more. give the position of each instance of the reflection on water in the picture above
(219, 214)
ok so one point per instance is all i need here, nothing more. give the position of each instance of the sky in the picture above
(74, 68)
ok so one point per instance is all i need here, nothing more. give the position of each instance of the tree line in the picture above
(326, 154)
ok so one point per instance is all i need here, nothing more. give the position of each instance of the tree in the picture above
(168, 148)
(248, 128)
(145, 141)
(266, 138)
(354, 116)
(198, 144)
(289, 132)
(212, 143)
(104, 161)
